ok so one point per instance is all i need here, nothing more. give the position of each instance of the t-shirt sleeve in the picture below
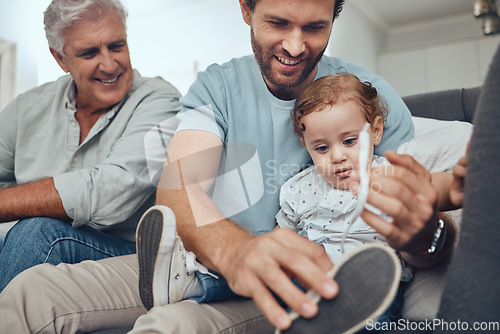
(204, 107)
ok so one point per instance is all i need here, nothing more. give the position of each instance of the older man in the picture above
(72, 157)
(244, 101)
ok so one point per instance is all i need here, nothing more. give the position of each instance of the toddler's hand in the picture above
(457, 186)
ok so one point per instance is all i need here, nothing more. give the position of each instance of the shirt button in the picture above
(75, 159)
(73, 124)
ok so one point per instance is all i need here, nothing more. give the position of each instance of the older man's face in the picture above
(288, 39)
(97, 57)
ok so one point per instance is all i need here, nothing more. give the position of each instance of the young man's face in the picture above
(97, 57)
(288, 39)
(331, 138)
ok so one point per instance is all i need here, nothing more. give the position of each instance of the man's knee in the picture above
(23, 302)
(24, 283)
(26, 292)
(37, 228)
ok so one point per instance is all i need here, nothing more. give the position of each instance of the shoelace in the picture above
(364, 142)
(192, 265)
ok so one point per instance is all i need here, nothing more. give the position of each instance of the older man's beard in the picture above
(264, 61)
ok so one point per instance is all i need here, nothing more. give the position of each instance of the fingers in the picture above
(305, 261)
(291, 295)
(405, 188)
(269, 264)
(382, 226)
(408, 163)
(302, 246)
(457, 196)
(461, 168)
(405, 225)
(404, 192)
(457, 186)
(267, 303)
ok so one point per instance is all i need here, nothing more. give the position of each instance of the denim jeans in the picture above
(45, 240)
(214, 289)
(2, 238)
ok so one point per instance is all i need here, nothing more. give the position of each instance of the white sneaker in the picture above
(166, 269)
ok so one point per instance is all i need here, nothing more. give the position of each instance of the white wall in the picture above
(177, 40)
(21, 22)
(437, 55)
(356, 37)
(434, 55)
(454, 64)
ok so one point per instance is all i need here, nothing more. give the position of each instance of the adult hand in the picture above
(404, 191)
(269, 263)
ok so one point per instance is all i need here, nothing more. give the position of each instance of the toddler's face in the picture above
(331, 138)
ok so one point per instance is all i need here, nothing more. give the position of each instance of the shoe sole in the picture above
(368, 280)
(155, 237)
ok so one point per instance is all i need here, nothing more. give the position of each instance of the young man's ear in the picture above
(245, 11)
(60, 60)
(378, 130)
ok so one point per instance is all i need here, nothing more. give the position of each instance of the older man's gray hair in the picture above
(62, 14)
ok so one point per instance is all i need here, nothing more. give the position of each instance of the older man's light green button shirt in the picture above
(103, 181)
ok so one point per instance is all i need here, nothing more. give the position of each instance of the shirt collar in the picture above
(70, 96)
(70, 101)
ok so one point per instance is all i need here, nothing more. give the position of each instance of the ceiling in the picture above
(396, 13)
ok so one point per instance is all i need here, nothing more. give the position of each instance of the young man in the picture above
(247, 100)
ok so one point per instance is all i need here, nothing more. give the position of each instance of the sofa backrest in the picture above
(447, 105)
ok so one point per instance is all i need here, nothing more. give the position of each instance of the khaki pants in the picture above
(97, 295)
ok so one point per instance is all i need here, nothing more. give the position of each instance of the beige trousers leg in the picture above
(235, 315)
(97, 295)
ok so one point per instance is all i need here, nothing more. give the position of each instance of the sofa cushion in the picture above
(438, 145)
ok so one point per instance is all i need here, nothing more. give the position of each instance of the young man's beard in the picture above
(264, 62)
